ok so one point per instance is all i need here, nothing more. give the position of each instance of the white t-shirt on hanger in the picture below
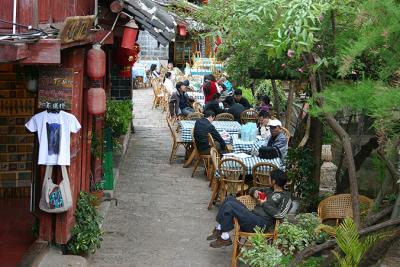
(54, 136)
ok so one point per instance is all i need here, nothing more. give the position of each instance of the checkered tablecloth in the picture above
(240, 146)
(251, 161)
(232, 127)
(199, 97)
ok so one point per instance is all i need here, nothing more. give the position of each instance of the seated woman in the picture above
(275, 205)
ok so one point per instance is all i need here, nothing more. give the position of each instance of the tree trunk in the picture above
(276, 98)
(334, 124)
(360, 133)
(289, 106)
(338, 176)
(316, 146)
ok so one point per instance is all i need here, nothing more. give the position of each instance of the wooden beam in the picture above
(46, 51)
(13, 52)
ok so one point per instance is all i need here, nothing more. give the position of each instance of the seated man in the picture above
(278, 142)
(213, 105)
(240, 99)
(234, 108)
(202, 128)
(263, 128)
(179, 101)
(275, 205)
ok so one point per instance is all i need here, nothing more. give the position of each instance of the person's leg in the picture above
(250, 221)
(186, 111)
(230, 209)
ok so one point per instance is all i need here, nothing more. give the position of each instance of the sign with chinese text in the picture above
(55, 88)
(75, 29)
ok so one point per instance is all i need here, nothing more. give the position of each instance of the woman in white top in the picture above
(168, 83)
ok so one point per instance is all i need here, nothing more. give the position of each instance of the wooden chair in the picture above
(242, 238)
(214, 181)
(224, 117)
(248, 115)
(286, 133)
(177, 142)
(158, 96)
(339, 207)
(232, 172)
(197, 107)
(261, 174)
(211, 141)
(194, 116)
(201, 157)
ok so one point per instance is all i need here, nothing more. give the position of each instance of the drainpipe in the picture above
(96, 11)
(14, 16)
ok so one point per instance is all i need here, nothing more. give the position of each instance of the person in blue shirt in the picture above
(179, 101)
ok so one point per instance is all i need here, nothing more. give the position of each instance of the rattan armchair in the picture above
(338, 207)
(177, 142)
(261, 174)
(242, 238)
(224, 117)
(248, 115)
(200, 157)
(197, 106)
(232, 172)
(194, 116)
(158, 96)
(214, 181)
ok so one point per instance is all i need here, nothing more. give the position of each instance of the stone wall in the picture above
(149, 48)
(121, 87)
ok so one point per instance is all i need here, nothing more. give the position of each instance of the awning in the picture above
(152, 18)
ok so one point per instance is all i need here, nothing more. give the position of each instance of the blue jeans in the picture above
(233, 208)
(186, 111)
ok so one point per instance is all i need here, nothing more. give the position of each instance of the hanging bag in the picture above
(55, 198)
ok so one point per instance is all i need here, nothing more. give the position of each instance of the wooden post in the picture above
(289, 105)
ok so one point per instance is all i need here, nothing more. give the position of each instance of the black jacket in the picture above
(244, 102)
(235, 110)
(213, 105)
(202, 128)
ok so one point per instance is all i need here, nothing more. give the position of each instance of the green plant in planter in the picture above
(292, 238)
(86, 234)
(118, 117)
(99, 186)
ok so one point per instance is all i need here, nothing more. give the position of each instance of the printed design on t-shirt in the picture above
(53, 138)
(55, 198)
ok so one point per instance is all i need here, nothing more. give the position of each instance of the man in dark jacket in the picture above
(234, 108)
(179, 101)
(240, 99)
(213, 105)
(275, 205)
(202, 128)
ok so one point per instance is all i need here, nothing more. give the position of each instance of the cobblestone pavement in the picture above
(162, 217)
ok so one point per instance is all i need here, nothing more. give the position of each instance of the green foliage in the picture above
(264, 87)
(353, 247)
(95, 147)
(86, 234)
(118, 116)
(260, 253)
(99, 186)
(328, 135)
(292, 238)
(379, 166)
(247, 93)
(308, 222)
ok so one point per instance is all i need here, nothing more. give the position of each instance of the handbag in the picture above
(55, 198)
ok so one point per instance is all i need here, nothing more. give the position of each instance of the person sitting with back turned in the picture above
(179, 101)
(202, 128)
(213, 105)
(240, 99)
(273, 203)
(234, 108)
(168, 83)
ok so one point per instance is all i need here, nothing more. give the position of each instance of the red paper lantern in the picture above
(130, 34)
(182, 30)
(96, 62)
(96, 101)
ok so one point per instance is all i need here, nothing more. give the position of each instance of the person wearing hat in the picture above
(277, 141)
(240, 99)
(179, 101)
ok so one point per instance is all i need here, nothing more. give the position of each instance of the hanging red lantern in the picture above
(130, 35)
(182, 30)
(96, 62)
(96, 101)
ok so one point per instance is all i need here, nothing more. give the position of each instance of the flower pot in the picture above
(98, 197)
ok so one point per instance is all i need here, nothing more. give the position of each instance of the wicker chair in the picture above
(339, 207)
(194, 116)
(214, 181)
(158, 96)
(232, 172)
(261, 174)
(198, 107)
(248, 115)
(242, 238)
(224, 117)
(286, 133)
(201, 157)
(177, 142)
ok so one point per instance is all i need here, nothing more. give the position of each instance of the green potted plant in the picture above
(97, 192)
(86, 235)
(118, 118)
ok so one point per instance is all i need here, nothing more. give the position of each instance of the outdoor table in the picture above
(249, 162)
(245, 146)
(232, 127)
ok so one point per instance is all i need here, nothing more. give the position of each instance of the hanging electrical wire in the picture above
(32, 35)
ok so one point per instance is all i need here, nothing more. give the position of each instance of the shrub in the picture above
(248, 94)
(292, 238)
(119, 116)
(86, 234)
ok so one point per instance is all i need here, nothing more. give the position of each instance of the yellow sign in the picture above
(75, 29)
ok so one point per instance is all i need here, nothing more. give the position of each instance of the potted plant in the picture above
(97, 192)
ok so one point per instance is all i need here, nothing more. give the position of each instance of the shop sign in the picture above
(55, 88)
(75, 29)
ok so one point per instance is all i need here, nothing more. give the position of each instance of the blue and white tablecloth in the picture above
(199, 97)
(240, 146)
(232, 127)
(249, 162)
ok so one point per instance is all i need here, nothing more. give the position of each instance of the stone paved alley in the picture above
(162, 217)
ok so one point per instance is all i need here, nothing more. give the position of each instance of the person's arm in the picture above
(281, 144)
(217, 137)
(246, 103)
